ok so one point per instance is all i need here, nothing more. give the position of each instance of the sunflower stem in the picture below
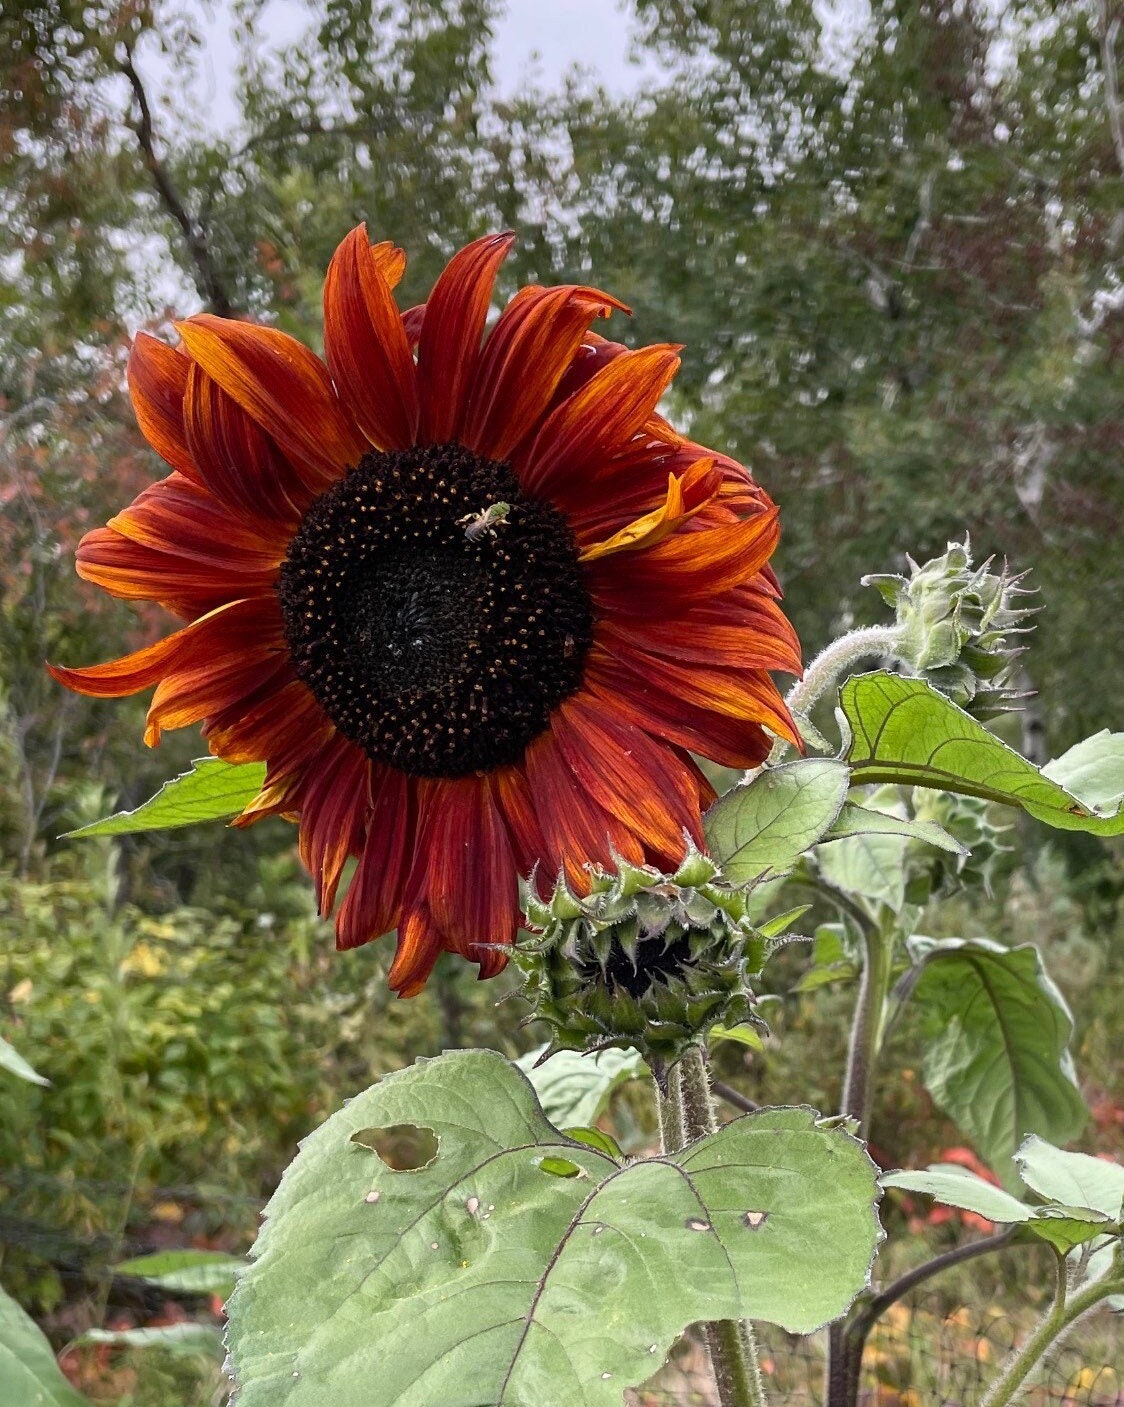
(829, 667)
(1059, 1319)
(733, 1349)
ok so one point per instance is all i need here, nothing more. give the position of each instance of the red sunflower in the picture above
(470, 598)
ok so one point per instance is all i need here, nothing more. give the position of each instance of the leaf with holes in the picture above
(29, 1375)
(995, 1034)
(903, 730)
(518, 1267)
(765, 826)
(211, 791)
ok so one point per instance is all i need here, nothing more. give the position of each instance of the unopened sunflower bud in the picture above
(970, 820)
(645, 959)
(956, 626)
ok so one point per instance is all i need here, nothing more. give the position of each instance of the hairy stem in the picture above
(857, 1101)
(1062, 1315)
(733, 1349)
(830, 665)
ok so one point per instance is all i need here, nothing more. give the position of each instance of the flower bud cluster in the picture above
(644, 959)
(955, 624)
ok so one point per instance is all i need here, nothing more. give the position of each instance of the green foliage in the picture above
(190, 1272)
(574, 1088)
(29, 1374)
(1080, 1197)
(903, 730)
(764, 826)
(995, 1035)
(475, 1280)
(213, 789)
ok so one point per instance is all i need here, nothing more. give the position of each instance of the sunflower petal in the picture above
(525, 357)
(686, 495)
(283, 386)
(157, 377)
(449, 342)
(365, 342)
(598, 419)
(238, 462)
(374, 899)
(333, 814)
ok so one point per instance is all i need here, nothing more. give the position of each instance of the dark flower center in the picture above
(436, 614)
(652, 962)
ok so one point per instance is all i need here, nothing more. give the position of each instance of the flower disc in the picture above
(437, 649)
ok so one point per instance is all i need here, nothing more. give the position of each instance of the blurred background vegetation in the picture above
(891, 236)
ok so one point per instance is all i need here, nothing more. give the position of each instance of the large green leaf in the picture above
(903, 730)
(29, 1375)
(212, 790)
(12, 1061)
(575, 1088)
(519, 1268)
(995, 1033)
(1092, 770)
(765, 826)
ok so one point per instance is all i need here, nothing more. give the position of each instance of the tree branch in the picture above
(731, 1096)
(207, 280)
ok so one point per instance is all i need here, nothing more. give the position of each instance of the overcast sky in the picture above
(536, 39)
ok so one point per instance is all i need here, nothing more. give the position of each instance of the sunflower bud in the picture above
(955, 624)
(645, 959)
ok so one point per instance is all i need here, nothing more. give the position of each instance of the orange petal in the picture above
(333, 815)
(449, 343)
(598, 419)
(374, 898)
(241, 645)
(623, 690)
(283, 386)
(630, 774)
(157, 377)
(691, 566)
(366, 345)
(577, 831)
(420, 944)
(686, 496)
(464, 872)
(239, 464)
(525, 357)
(143, 668)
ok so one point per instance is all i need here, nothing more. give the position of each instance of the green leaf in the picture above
(742, 1035)
(598, 1139)
(1073, 1178)
(186, 1272)
(212, 790)
(29, 1374)
(872, 866)
(955, 1186)
(482, 1281)
(12, 1061)
(903, 730)
(1064, 1227)
(182, 1340)
(575, 1088)
(1092, 771)
(781, 923)
(766, 825)
(995, 1033)
(856, 820)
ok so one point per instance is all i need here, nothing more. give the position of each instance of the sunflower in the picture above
(472, 600)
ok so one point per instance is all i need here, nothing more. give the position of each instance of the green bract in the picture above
(955, 624)
(645, 959)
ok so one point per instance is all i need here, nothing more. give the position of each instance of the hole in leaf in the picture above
(402, 1147)
(755, 1220)
(560, 1167)
(694, 1224)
